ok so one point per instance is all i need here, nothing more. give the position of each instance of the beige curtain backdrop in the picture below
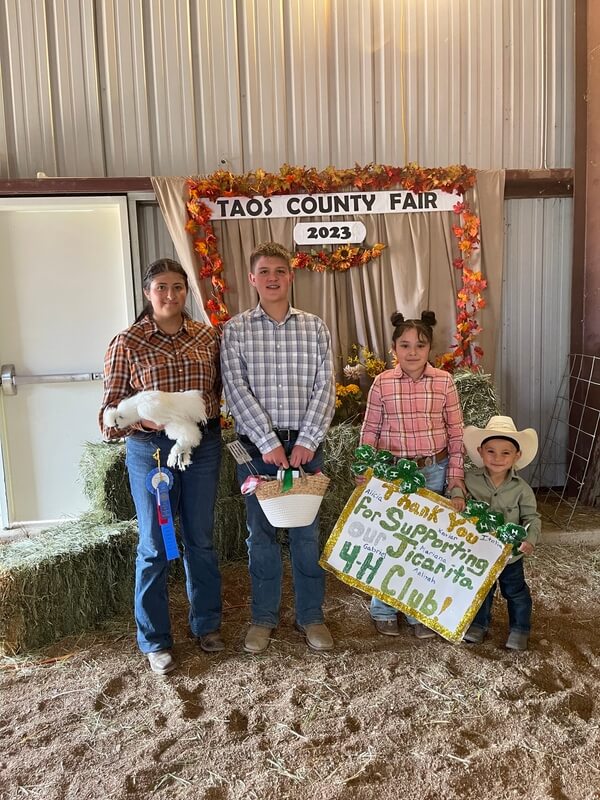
(172, 195)
(413, 274)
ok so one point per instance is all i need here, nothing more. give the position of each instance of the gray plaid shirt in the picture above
(278, 375)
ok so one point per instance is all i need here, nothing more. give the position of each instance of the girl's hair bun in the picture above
(428, 317)
(397, 319)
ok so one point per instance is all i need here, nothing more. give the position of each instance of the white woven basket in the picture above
(298, 506)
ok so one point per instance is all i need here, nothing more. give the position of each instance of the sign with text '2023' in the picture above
(329, 233)
(416, 553)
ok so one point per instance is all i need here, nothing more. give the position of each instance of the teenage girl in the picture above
(164, 349)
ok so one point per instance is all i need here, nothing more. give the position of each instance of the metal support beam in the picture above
(519, 183)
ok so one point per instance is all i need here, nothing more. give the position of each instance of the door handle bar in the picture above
(9, 381)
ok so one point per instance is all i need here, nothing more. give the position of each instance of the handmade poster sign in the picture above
(415, 552)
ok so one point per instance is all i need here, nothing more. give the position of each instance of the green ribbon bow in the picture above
(384, 468)
(288, 480)
(511, 533)
(489, 521)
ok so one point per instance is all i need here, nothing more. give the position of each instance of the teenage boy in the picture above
(278, 381)
(498, 450)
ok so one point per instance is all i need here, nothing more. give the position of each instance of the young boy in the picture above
(278, 380)
(498, 450)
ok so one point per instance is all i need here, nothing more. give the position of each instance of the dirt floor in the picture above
(378, 717)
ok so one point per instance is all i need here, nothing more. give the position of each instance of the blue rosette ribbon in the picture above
(158, 483)
(403, 472)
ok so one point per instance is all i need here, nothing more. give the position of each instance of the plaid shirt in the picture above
(415, 418)
(143, 357)
(278, 375)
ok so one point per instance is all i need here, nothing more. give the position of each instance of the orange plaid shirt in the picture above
(419, 418)
(143, 357)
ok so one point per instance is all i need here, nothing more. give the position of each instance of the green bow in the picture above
(384, 468)
(288, 480)
(489, 521)
(511, 533)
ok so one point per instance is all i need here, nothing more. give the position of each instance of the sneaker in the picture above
(212, 642)
(257, 639)
(387, 627)
(317, 636)
(423, 632)
(517, 640)
(161, 662)
(474, 635)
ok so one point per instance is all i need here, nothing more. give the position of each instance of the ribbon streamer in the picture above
(158, 483)
(288, 480)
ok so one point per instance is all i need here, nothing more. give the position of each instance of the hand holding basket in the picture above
(292, 507)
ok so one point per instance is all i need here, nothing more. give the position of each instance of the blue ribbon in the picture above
(158, 483)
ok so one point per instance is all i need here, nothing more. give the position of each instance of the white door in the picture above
(65, 290)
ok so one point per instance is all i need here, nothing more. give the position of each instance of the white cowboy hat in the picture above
(505, 428)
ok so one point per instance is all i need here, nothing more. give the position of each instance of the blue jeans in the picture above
(435, 479)
(518, 599)
(264, 554)
(193, 497)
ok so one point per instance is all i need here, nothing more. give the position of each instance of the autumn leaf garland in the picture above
(371, 177)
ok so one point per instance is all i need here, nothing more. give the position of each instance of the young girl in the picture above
(414, 412)
(166, 350)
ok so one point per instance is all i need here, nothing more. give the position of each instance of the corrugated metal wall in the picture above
(124, 87)
(149, 87)
(536, 315)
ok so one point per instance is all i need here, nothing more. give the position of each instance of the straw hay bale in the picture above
(478, 397)
(64, 580)
(104, 479)
(339, 449)
(230, 528)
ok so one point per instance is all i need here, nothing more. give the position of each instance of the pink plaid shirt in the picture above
(419, 418)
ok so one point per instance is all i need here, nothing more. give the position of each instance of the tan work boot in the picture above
(257, 639)
(317, 636)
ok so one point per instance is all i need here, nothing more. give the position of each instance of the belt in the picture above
(212, 424)
(283, 434)
(286, 434)
(427, 461)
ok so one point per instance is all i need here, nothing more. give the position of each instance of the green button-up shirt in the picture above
(514, 498)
